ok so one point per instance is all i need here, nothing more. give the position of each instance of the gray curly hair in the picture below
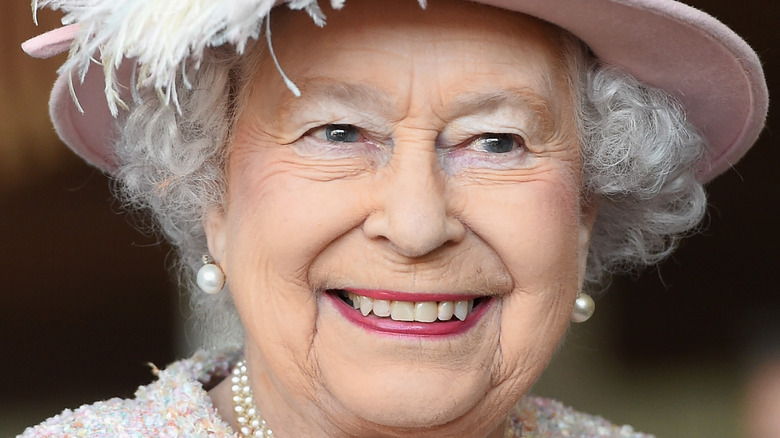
(638, 152)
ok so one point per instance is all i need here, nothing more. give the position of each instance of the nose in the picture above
(414, 214)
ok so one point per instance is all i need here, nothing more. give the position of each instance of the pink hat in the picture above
(663, 43)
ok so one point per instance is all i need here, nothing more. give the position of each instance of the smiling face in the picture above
(430, 172)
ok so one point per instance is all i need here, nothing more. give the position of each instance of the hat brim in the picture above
(712, 71)
(691, 55)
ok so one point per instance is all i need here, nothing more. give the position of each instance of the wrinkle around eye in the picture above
(487, 176)
(462, 159)
(325, 171)
(370, 154)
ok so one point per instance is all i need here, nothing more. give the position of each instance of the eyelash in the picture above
(323, 130)
(358, 135)
(473, 152)
(487, 139)
(318, 143)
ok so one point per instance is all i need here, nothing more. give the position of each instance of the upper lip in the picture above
(391, 295)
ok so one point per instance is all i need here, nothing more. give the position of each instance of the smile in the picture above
(403, 313)
(420, 311)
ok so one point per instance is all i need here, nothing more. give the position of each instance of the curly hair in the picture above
(638, 152)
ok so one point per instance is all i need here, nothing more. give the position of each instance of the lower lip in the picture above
(411, 328)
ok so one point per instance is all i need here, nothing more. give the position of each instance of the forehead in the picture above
(393, 50)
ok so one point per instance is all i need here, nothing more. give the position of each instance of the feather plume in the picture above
(163, 37)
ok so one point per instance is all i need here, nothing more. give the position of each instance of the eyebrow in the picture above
(367, 99)
(356, 97)
(539, 107)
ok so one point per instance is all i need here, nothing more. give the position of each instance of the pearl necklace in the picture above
(250, 423)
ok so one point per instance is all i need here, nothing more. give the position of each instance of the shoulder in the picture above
(535, 417)
(174, 405)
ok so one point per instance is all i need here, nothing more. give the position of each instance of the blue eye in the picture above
(496, 143)
(342, 133)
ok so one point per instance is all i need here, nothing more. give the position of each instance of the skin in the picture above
(417, 204)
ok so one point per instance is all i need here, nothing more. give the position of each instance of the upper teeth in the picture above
(422, 311)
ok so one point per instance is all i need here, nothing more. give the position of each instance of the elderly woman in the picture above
(395, 213)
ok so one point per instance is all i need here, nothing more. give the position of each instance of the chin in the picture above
(421, 399)
(399, 381)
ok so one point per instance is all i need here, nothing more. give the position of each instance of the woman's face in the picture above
(430, 167)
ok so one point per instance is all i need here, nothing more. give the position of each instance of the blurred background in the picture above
(688, 349)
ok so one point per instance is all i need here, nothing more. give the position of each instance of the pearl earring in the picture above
(210, 278)
(583, 308)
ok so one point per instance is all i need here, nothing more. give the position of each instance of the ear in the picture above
(215, 229)
(588, 213)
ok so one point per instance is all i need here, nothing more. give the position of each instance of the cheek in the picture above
(288, 211)
(278, 220)
(534, 227)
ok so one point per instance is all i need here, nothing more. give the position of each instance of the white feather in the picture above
(162, 37)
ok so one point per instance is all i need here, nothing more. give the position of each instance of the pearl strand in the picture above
(250, 423)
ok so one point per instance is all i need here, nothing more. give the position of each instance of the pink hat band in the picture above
(715, 75)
